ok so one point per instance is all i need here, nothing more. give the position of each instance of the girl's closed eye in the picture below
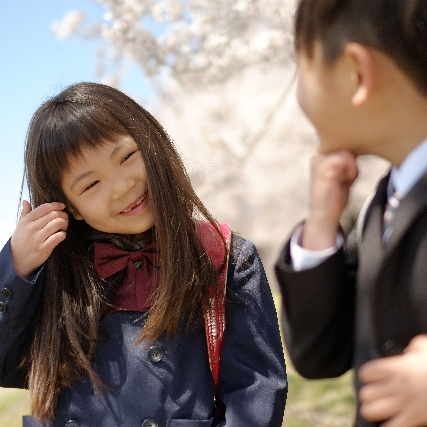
(128, 156)
(91, 185)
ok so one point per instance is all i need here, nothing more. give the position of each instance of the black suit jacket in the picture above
(364, 302)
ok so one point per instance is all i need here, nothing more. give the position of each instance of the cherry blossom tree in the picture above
(194, 41)
(224, 76)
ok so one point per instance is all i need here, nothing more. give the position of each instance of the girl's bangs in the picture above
(67, 134)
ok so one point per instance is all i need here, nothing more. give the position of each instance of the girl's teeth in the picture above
(136, 204)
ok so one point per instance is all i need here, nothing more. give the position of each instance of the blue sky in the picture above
(34, 66)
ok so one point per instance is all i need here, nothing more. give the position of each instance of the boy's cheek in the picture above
(302, 97)
(300, 92)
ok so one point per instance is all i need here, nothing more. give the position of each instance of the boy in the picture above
(363, 84)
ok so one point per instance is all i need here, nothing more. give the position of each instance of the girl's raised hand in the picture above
(36, 235)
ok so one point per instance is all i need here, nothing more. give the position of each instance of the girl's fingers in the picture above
(33, 224)
(37, 233)
(54, 240)
(51, 220)
(26, 209)
(42, 210)
(54, 226)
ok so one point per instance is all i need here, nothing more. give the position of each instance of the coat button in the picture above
(155, 354)
(71, 423)
(3, 307)
(6, 293)
(149, 422)
(391, 348)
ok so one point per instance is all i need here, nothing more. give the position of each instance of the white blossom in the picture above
(196, 41)
(68, 25)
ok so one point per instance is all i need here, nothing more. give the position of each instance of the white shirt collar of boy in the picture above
(404, 177)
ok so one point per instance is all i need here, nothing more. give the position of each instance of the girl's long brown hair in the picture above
(63, 347)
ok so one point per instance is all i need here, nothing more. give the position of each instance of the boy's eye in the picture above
(128, 155)
(90, 186)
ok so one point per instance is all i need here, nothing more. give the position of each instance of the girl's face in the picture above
(107, 187)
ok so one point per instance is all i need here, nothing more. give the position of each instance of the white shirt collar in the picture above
(404, 177)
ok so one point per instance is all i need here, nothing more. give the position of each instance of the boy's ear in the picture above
(362, 72)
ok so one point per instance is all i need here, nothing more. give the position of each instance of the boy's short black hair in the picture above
(398, 28)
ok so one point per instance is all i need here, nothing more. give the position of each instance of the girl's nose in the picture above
(121, 186)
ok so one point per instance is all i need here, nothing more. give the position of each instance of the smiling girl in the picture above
(110, 272)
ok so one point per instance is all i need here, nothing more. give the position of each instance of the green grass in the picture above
(13, 404)
(320, 403)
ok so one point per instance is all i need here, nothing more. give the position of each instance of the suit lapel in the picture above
(372, 250)
(371, 256)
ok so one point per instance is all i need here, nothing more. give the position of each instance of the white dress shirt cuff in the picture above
(304, 259)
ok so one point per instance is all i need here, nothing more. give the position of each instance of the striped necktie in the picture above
(389, 215)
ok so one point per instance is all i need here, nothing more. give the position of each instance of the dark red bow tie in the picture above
(142, 277)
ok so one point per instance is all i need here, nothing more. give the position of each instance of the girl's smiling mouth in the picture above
(139, 203)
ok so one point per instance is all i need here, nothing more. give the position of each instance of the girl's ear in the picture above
(74, 212)
(362, 72)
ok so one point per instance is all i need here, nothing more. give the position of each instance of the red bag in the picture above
(214, 315)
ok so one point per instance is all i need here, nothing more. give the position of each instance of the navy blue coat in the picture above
(167, 383)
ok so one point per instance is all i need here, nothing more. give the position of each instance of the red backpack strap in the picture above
(214, 315)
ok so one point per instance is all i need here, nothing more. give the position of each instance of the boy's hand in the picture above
(332, 175)
(38, 232)
(395, 388)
